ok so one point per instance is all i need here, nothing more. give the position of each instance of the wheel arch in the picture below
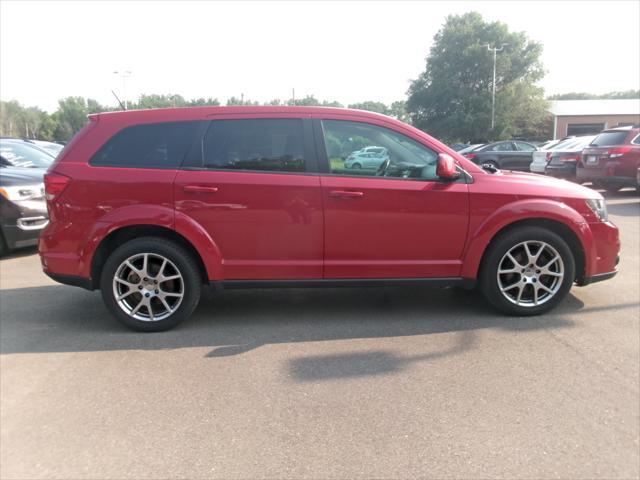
(130, 232)
(555, 226)
(554, 216)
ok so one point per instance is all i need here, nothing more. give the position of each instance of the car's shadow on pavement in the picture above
(63, 319)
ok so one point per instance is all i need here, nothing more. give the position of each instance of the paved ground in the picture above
(340, 383)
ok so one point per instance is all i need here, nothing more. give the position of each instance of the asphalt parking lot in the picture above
(337, 383)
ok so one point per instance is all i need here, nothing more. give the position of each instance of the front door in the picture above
(397, 220)
(252, 188)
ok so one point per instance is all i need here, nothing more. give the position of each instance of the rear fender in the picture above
(156, 216)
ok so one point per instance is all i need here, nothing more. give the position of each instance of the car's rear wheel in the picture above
(527, 271)
(356, 166)
(611, 188)
(150, 284)
(492, 164)
(4, 248)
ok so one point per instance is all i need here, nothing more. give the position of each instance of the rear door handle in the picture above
(199, 189)
(346, 194)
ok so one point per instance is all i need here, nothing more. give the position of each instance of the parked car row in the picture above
(23, 209)
(609, 160)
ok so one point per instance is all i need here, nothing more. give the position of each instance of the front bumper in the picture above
(22, 222)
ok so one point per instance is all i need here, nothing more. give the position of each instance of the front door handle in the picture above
(346, 194)
(199, 189)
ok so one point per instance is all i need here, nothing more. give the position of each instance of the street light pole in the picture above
(124, 74)
(495, 50)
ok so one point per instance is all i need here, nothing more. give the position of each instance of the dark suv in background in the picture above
(612, 159)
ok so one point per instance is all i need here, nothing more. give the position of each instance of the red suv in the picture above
(149, 205)
(612, 159)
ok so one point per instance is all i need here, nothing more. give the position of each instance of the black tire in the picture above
(612, 188)
(4, 249)
(356, 166)
(183, 262)
(491, 163)
(505, 243)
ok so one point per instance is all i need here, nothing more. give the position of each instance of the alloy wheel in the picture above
(530, 273)
(148, 287)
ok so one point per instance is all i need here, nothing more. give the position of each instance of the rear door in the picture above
(397, 220)
(251, 185)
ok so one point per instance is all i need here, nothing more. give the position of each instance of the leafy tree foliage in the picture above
(628, 94)
(452, 98)
(372, 106)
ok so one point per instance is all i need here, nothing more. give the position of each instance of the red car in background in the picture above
(612, 159)
(149, 205)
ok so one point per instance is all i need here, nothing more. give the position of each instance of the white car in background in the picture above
(541, 157)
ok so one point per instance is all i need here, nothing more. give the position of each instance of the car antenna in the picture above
(121, 104)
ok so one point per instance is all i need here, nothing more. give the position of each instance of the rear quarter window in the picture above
(158, 145)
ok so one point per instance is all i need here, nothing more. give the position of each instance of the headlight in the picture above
(599, 207)
(22, 192)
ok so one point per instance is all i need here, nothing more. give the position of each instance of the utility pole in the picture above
(293, 96)
(124, 74)
(495, 50)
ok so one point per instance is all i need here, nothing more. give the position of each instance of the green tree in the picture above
(240, 101)
(372, 106)
(628, 94)
(452, 97)
(398, 110)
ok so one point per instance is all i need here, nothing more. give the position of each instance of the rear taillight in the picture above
(570, 158)
(470, 156)
(549, 156)
(618, 151)
(54, 184)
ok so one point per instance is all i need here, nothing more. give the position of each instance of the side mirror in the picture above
(446, 168)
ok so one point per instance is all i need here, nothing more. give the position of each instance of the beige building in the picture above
(583, 117)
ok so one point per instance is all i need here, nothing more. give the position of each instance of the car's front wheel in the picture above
(150, 284)
(527, 271)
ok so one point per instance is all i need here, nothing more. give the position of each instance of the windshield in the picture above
(18, 154)
(50, 147)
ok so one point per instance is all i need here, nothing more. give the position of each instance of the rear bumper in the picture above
(537, 167)
(561, 171)
(597, 278)
(72, 280)
(605, 175)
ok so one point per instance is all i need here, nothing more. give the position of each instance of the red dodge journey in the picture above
(149, 205)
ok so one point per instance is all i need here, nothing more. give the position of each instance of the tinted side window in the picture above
(525, 147)
(275, 145)
(158, 145)
(396, 155)
(502, 147)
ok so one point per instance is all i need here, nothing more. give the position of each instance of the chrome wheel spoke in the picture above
(141, 303)
(512, 286)
(164, 302)
(126, 294)
(515, 262)
(520, 291)
(124, 282)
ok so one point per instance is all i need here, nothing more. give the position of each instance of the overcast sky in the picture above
(347, 52)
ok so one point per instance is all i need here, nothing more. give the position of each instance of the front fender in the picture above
(520, 210)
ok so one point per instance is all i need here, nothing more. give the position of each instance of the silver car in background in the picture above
(541, 157)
